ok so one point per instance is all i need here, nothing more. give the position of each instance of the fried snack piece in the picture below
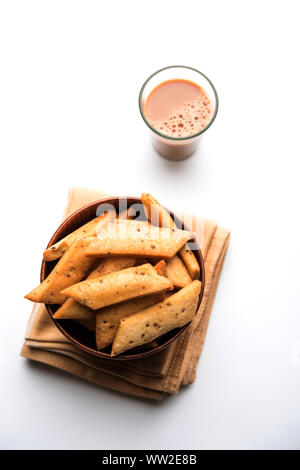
(190, 262)
(70, 269)
(177, 273)
(160, 267)
(118, 287)
(88, 230)
(134, 238)
(71, 309)
(108, 318)
(111, 265)
(147, 325)
(157, 214)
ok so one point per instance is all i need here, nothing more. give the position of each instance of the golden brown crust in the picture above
(90, 229)
(118, 287)
(111, 265)
(177, 273)
(156, 213)
(70, 269)
(190, 262)
(108, 318)
(71, 309)
(139, 239)
(147, 325)
(127, 295)
(160, 267)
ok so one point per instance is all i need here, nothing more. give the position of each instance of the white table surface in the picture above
(71, 72)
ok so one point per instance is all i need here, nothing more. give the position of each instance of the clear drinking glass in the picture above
(177, 148)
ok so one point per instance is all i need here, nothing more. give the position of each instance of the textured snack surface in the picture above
(147, 325)
(177, 273)
(138, 239)
(71, 309)
(90, 229)
(70, 269)
(158, 215)
(118, 287)
(190, 262)
(108, 318)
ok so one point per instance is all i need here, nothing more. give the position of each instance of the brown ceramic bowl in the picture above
(80, 336)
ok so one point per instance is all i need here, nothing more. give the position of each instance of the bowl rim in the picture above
(122, 357)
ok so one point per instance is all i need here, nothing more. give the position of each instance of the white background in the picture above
(69, 82)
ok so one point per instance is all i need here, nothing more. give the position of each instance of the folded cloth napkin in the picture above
(151, 377)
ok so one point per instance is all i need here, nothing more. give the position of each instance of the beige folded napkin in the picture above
(151, 377)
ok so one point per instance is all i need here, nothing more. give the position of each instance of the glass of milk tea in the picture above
(178, 104)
